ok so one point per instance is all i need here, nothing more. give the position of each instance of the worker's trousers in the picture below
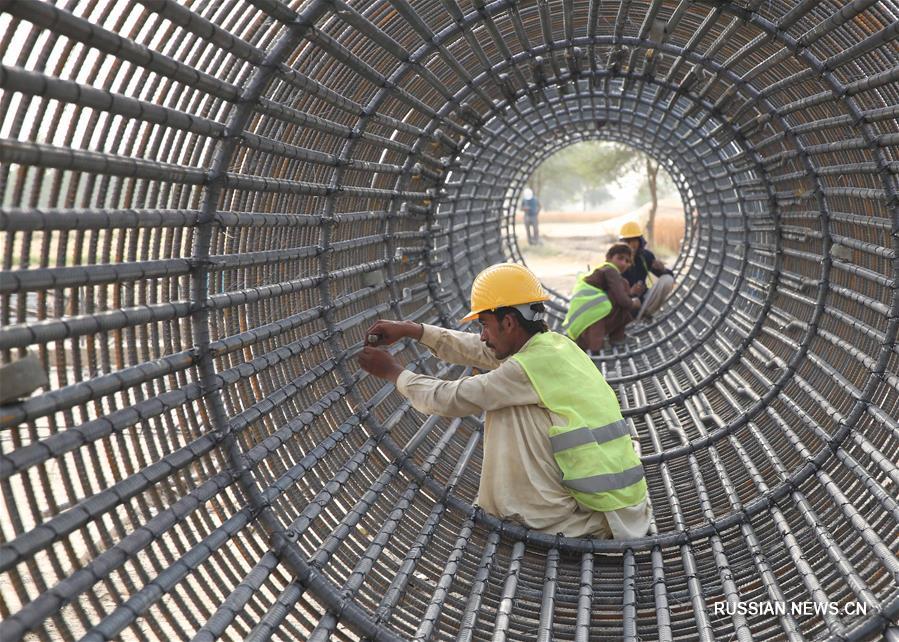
(656, 295)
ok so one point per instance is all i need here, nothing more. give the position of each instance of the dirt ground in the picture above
(572, 241)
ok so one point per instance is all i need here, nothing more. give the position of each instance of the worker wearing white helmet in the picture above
(557, 454)
(531, 208)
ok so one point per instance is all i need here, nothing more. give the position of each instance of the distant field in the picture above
(556, 216)
(571, 241)
(669, 232)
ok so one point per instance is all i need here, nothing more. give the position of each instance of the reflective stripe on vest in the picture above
(606, 482)
(592, 446)
(588, 304)
(586, 307)
(581, 436)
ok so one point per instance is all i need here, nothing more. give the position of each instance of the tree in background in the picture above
(654, 187)
(595, 196)
(652, 174)
(579, 173)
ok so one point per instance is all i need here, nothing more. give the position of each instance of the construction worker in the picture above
(648, 277)
(601, 303)
(557, 454)
(531, 207)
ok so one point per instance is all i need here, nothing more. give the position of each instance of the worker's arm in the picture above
(506, 386)
(452, 346)
(618, 290)
(658, 268)
(463, 348)
(601, 278)
(654, 265)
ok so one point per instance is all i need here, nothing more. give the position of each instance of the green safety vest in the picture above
(588, 305)
(599, 465)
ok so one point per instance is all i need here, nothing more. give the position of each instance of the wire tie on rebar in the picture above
(557, 540)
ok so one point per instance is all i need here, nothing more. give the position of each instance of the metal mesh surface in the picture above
(205, 205)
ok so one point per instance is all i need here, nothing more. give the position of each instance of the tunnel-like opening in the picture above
(204, 205)
(584, 193)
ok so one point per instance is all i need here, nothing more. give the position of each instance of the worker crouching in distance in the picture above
(557, 454)
(648, 277)
(601, 303)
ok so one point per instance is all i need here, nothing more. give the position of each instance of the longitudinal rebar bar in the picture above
(203, 205)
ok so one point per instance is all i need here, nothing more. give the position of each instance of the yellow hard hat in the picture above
(502, 285)
(630, 230)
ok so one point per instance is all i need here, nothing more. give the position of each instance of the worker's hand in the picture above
(380, 363)
(638, 288)
(635, 304)
(386, 332)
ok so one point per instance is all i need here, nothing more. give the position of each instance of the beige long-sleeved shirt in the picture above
(519, 477)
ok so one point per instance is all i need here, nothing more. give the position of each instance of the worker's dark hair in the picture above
(619, 248)
(531, 327)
